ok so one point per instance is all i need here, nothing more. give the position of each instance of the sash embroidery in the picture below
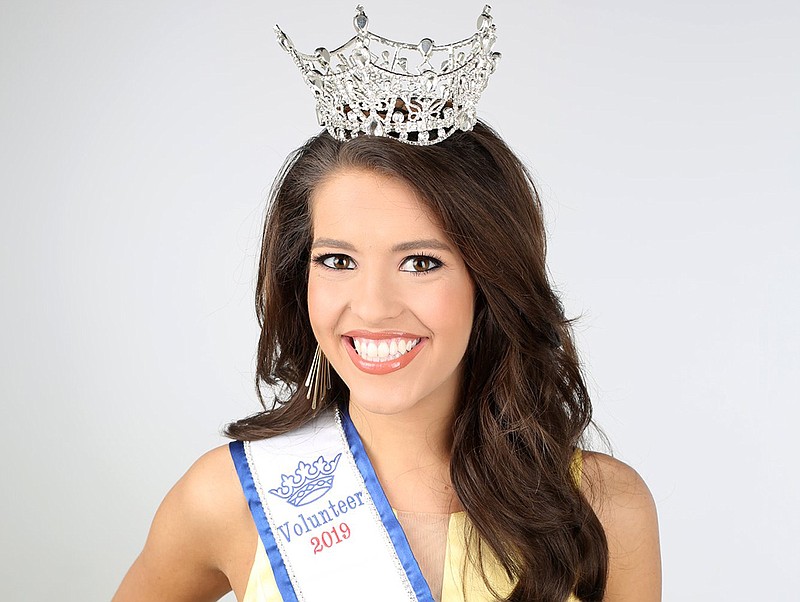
(323, 518)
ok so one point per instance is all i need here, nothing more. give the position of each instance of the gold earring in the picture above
(320, 376)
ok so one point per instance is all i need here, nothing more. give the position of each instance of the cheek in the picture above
(316, 306)
(323, 305)
(454, 309)
(465, 310)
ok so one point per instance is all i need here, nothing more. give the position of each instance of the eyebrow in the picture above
(426, 243)
(332, 242)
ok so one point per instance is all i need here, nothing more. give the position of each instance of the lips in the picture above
(384, 352)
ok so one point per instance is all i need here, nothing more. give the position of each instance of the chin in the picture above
(381, 403)
(395, 401)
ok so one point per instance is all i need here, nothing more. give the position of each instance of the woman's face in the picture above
(390, 299)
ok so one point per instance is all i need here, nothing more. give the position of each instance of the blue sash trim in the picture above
(257, 510)
(398, 536)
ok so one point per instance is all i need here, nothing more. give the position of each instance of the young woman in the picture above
(424, 438)
(472, 437)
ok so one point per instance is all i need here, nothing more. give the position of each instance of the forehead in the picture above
(361, 204)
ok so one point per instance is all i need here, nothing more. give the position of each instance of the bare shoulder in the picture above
(198, 531)
(606, 480)
(210, 488)
(627, 511)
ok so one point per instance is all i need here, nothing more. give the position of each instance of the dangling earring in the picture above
(320, 376)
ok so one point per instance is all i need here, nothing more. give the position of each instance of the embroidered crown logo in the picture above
(309, 482)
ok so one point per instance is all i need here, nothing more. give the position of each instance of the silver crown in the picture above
(375, 86)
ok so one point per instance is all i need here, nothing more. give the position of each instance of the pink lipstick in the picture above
(385, 366)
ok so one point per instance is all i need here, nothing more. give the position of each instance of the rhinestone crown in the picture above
(375, 86)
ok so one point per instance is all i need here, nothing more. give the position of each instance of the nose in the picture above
(376, 298)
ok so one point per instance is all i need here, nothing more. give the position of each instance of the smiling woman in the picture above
(423, 432)
(441, 457)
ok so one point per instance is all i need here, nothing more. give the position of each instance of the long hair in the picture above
(524, 403)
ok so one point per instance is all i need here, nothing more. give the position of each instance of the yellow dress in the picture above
(261, 586)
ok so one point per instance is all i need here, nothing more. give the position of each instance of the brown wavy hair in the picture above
(524, 406)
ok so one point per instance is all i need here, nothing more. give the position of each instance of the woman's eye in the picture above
(337, 262)
(420, 263)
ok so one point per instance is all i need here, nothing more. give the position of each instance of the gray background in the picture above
(139, 140)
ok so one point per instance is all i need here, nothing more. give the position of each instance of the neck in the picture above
(410, 453)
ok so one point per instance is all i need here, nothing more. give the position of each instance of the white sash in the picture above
(326, 525)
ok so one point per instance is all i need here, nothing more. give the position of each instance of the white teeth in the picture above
(383, 350)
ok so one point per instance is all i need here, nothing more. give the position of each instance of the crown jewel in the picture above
(416, 93)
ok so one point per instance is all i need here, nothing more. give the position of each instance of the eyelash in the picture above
(320, 261)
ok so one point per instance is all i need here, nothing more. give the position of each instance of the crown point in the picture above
(283, 40)
(485, 19)
(425, 46)
(323, 56)
(360, 21)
